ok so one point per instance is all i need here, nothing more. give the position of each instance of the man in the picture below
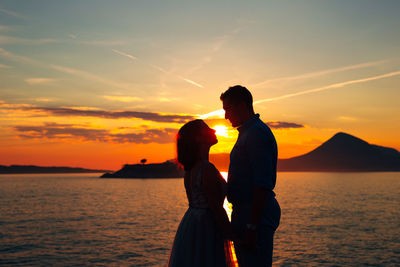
(251, 180)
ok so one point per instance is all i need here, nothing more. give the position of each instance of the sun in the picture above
(221, 130)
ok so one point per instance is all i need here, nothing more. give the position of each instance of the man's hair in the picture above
(237, 94)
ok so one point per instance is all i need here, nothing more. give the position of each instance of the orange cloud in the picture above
(283, 125)
(122, 98)
(79, 132)
(39, 80)
(106, 114)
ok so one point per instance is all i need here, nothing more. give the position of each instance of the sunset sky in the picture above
(99, 84)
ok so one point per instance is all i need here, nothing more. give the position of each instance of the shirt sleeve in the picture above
(260, 153)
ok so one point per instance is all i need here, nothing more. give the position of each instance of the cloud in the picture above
(122, 98)
(76, 72)
(5, 28)
(72, 71)
(321, 73)
(44, 99)
(4, 66)
(4, 105)
(160, 136)
(220, 112)
(79, 112)
(284, 125)
(215, 47)
(12, 13)
(346, 118)
(80, 41)
(21, 59)
(90, 76)
(39, 80)
(16, 40)
(103, 42)
(272, 124)
(78, 132)
(157, 68)
(97, 113)
(335, 85)
(216, 113)
(168, 99)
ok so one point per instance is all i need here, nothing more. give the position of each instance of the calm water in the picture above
(342, 219)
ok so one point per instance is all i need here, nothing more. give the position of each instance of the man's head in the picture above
(238, 104)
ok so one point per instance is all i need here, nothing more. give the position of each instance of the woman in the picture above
(199, 240)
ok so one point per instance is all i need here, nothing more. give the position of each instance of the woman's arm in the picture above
(212, 188)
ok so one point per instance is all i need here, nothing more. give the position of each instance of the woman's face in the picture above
(208, 135)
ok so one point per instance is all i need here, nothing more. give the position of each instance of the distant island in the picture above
(341, 153)
(31, 169)
(168, 169)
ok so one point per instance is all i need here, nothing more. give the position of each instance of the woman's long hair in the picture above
(188, 145)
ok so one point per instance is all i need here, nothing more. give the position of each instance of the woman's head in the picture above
(191, 139)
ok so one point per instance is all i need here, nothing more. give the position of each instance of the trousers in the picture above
(262, 254)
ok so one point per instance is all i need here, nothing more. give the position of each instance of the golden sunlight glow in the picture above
(224, 175)
(221, 130)
(228, 208)
(122, 98)
(217, 113)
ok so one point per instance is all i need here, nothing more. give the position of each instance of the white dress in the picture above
(199, 240)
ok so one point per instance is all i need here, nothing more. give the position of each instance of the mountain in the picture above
(15, 169)
(168, 169)
(344, 152)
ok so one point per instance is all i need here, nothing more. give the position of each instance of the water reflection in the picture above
(228, 209)
(341, 219)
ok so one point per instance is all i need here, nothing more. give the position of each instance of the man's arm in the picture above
(257, 208)
(260, 152)
(258, 204)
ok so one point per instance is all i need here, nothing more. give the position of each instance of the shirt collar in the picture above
(248, 123)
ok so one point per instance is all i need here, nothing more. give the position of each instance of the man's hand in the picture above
(249, 239)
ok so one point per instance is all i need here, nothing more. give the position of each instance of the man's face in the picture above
(232, 112)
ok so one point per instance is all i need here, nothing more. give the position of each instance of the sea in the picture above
(328, 219)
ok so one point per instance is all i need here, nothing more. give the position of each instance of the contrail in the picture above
(124, 54)
(89, 76)
(335, 85)
(12, 13)
(76, 72)
(320, 73)
(220, 112)
(17, 58)
(157, 68)
(190, 81)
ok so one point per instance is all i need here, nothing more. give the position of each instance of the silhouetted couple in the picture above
(201, 238)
